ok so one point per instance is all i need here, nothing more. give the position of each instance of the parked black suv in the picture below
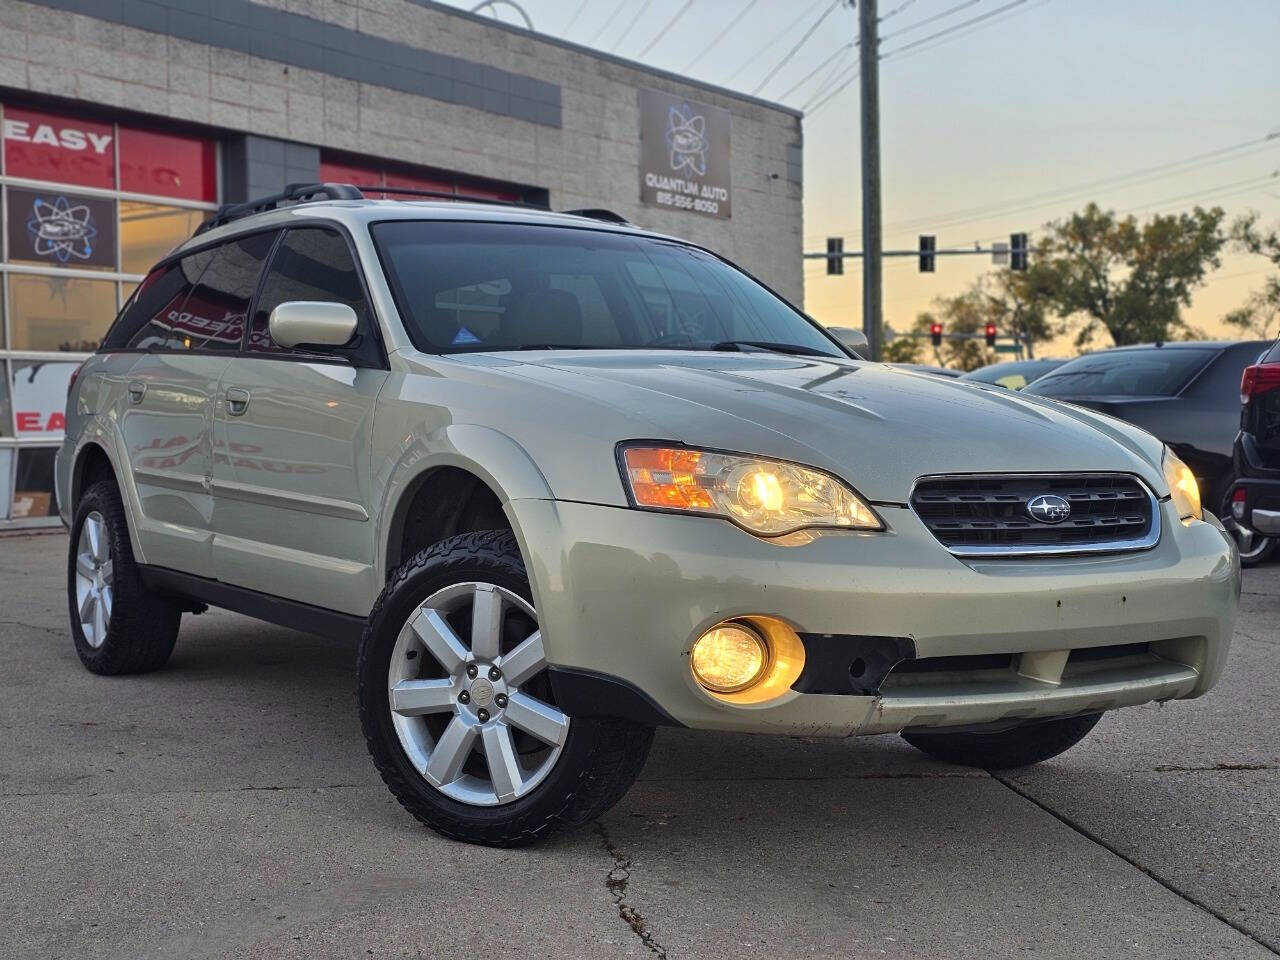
(1255, 495)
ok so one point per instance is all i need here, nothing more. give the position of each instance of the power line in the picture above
(897, 10)
(578, 13)
(607, 23)
(812, 73)
(634, 20)
(972, 29)
(773, 40)
(954, 27)
(719, 36)
(928, 20)
(796, 49)
(835, 76)
(665, 27)
(846, 78)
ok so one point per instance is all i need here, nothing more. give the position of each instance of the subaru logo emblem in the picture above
(1048, 508)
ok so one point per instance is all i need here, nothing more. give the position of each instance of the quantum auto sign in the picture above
(684, 155)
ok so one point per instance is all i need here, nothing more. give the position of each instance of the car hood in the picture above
(879, 427)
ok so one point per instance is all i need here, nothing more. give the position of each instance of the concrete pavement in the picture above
(226, 806)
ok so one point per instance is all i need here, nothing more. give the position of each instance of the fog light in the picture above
(729, 658)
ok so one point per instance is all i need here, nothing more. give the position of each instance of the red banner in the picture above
(49, 146)
(165, 165)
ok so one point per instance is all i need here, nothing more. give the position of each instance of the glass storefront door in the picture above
(88, 206)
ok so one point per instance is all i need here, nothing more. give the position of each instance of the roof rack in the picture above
(293, 193)
(599, 213)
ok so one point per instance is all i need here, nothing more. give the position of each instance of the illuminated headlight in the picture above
(766, 497)
(1183, 488)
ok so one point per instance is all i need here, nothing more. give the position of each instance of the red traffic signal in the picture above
(935, 334)
(991, 334)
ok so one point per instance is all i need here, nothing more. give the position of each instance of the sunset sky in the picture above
(995, 128)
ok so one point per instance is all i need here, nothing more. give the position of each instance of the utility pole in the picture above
(869, 48)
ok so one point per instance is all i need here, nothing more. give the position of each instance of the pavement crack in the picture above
(616, 881)
(1115, 851)
(31, 626)
(1174, 768)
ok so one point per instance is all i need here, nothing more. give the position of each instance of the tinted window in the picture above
(309, 264)
(213, 316)
(149, 318)
(1154, 372)
(1273, 355)
(486, 286)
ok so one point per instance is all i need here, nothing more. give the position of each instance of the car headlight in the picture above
(1182, 487)
(766, 497)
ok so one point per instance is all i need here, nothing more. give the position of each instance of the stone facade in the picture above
(137, 55)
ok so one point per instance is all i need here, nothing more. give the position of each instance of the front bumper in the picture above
(623, 593)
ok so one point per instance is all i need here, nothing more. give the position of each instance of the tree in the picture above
(903, 350)
(1260, 314)
(1018, 303)
(963, 314)
(1128, 278)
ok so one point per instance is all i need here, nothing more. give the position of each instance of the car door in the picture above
(166, 413)
(291, 473)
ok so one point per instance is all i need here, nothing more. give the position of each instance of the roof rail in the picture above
(293, 193)
(599, 213)
(446, 195)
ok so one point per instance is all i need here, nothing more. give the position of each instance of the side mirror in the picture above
(312, 323)
(852, 339)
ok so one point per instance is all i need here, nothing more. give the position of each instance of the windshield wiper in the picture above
(792, 348)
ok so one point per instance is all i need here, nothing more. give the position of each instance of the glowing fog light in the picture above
(729, 658)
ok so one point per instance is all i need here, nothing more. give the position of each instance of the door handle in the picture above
(237, 401)
(137, 390)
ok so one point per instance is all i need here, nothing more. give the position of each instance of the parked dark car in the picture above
(1014, 374)
(1186, 393)
(1254, 499)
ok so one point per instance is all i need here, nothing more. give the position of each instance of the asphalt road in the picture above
(226, 807)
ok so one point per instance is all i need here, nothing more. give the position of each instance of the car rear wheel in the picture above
(458, 710)
(118, 625)
(1019, 746)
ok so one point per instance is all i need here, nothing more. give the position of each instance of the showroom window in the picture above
(88, 206)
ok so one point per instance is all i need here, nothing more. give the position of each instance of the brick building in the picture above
(126, 121)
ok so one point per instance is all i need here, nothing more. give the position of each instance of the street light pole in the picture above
(869, 44)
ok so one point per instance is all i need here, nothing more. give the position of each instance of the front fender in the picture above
(497, 459)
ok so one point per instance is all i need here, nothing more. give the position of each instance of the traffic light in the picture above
(935, 334)
(1017, 251)
(928, 244)
(991, 334)
(835, 256)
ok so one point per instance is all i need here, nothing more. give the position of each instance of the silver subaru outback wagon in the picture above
(565, 480)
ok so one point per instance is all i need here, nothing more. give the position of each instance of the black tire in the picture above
(143, 625)
(1260, 548)
(1015, 747)
(600, 758)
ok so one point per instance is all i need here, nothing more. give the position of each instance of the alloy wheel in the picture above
(95, 573)
(475, 716)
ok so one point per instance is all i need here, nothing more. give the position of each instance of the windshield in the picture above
(1015, 375)
(500, 286)
(1157, 372)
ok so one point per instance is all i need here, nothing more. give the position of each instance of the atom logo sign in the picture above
(684, 154)
(62, 229)
(687, 140)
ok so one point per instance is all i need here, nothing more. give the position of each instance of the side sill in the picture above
(251, 603)
(584, 693)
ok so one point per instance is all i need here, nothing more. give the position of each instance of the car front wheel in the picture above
(458, 710)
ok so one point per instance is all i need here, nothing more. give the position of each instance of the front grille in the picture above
(987, 514)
